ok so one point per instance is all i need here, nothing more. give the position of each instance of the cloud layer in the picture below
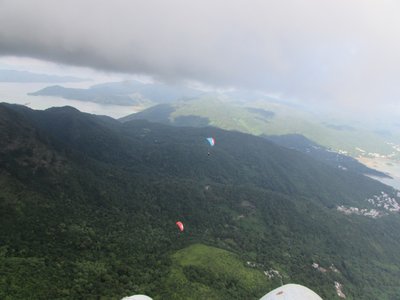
(343, 51)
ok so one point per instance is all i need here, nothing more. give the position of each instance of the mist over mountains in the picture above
(199, 150)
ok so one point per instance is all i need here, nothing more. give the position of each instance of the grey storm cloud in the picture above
(343, 50)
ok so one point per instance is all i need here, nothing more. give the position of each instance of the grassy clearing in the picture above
(201, 272)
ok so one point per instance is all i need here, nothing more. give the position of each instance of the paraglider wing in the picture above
(291, 292)
(211, 140)
(137, 297)
(180, 225)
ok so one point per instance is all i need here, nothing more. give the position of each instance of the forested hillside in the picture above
(88, 207)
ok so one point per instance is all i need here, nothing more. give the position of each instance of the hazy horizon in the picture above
(341, 54)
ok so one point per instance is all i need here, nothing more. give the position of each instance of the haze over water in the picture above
(18, 93)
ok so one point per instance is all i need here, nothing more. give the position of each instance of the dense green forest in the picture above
(88, 207)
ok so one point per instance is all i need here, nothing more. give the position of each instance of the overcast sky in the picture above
(342, 51)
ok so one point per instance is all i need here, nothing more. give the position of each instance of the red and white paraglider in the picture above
(180, 225)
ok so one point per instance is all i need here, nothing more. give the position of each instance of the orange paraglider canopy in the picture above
(180, 225)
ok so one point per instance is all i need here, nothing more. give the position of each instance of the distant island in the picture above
(24, 76)
(122, 93)
(90, 95)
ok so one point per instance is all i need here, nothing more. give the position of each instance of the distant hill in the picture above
(265, 117)
(24, 76)
(88, 207)
(86, 95)
(166, 113)
(122, 93)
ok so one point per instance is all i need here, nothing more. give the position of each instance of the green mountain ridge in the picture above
(88, 209)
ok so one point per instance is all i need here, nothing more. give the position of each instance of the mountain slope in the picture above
(248, 119)
(90, 211)
(267, 117)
